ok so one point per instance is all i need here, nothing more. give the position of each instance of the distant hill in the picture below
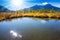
(3, 9)
(40, 7)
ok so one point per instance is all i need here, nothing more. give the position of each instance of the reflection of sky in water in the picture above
(17, 26)
(25, 23)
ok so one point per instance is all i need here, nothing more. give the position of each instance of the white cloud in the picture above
(44, 3)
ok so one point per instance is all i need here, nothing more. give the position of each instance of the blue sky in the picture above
(20, 4)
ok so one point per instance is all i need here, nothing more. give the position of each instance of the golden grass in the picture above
(10, 15)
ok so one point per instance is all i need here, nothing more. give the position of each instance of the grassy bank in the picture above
(10, 15)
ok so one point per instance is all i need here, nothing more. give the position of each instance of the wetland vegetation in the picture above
(30, 13)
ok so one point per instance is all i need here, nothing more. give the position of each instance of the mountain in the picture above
(40, 7)
(3, 9)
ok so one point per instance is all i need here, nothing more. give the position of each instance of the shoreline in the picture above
(30, 17)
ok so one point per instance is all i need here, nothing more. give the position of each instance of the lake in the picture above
(30, 29)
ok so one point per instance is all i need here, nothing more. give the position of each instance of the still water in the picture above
(30, 29)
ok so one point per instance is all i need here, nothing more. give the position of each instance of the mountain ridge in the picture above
(40, 7)
(35, 7)
(3, 9)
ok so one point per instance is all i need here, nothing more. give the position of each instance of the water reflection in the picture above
(43, 21)
(46, 19)
(15, 34)
(30, 29)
